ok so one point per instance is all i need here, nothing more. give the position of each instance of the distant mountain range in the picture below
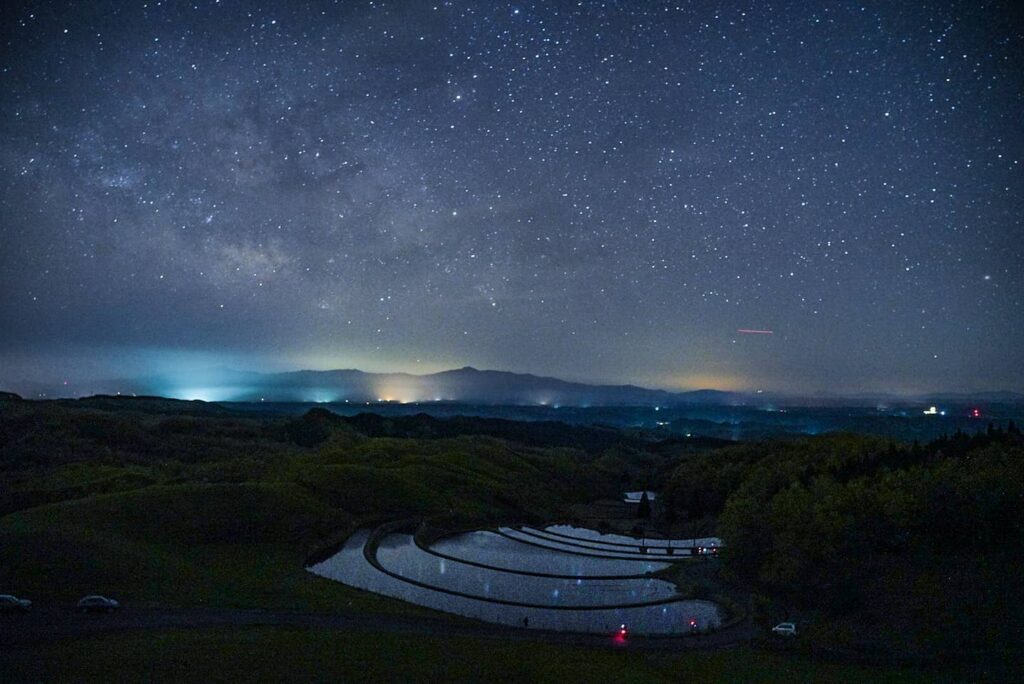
(464, 385)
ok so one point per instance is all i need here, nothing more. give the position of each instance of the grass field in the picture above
(307, 655)
(222, 510)
(223, 545)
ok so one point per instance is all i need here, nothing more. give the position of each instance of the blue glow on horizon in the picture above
(209, 393)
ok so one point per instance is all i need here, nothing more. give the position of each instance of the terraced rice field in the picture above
(560, 578)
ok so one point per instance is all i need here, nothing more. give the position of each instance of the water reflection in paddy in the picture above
(350, 566)
(632, 548)
(501, 552)
(400, 555)
(536, 537)
(582, 533)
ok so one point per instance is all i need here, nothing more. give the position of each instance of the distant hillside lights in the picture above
(933, 411)
(397, 391)
(323, 396)
(209, 393)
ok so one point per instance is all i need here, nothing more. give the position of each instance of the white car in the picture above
(786, 629)
(12, 604)
(98, 604)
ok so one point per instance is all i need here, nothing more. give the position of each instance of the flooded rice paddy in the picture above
(575, 582)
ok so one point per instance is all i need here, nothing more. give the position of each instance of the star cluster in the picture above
(603, 191)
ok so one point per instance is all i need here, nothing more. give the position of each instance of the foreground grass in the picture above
(228, 546)
(279, 654)
(181, 504)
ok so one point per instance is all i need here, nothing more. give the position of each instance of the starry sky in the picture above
(600, 191)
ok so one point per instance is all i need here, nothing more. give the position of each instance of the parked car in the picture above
(785, 629)
(13, 604)
(98, 604)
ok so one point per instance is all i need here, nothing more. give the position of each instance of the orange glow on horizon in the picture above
(699, 381)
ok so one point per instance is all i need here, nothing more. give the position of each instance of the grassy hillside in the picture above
(184, 544)
(180, 503)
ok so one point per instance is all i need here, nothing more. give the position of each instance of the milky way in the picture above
(599, 191)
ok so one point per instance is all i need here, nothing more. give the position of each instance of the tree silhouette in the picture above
(644, 509)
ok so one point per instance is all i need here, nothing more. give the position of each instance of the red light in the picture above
(975, 413)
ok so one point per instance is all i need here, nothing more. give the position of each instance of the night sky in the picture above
(597, 191)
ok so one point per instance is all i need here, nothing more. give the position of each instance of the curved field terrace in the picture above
(637, 551)
(495, 578)
(579, 534)
(501, 553)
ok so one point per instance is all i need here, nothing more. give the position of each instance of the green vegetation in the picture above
(184, 503)
(877, 548)
(183, 544)
(319, 655)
